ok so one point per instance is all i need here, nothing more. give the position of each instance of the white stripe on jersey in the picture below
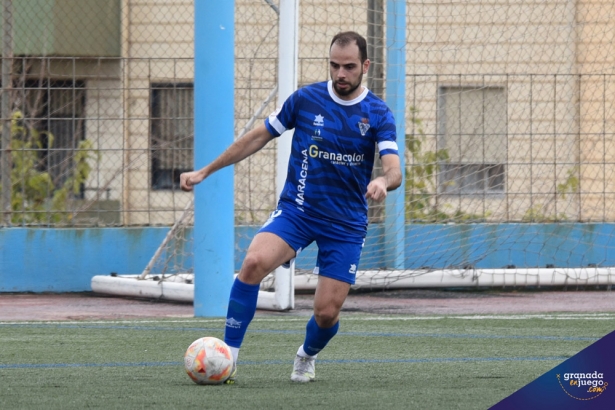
(387, 145)
(275, 123)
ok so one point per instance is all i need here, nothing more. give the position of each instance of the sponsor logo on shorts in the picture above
(272, 216)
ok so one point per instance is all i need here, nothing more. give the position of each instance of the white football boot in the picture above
(303, 369)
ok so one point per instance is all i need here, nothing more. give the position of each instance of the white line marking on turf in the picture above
(553, 316)
(278, 362)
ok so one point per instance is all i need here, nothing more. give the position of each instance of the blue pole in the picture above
(213, 133)
(396, 100)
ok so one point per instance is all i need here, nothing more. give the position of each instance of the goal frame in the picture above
(207, 303)
(214, 207)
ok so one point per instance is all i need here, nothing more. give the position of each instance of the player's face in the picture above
(346, 70)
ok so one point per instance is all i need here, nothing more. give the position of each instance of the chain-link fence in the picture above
(510, 112)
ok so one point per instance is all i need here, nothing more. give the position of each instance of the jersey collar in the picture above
(338, 100)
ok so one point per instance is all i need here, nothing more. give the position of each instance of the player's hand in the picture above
(187, 180)
(377, 189)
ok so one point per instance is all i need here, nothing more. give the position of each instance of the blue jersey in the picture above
(332, 153)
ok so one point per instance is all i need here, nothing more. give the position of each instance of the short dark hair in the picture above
(347, 37)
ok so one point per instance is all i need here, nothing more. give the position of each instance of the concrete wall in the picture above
(65, 260)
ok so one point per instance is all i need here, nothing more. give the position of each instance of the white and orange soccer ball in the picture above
(208, 360)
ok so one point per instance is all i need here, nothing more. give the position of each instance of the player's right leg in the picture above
(266, 252)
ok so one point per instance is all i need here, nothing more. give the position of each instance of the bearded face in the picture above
(346, 70)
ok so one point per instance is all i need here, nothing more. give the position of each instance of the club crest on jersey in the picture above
(364, 126)
(319, 121)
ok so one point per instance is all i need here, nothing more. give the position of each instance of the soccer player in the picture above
(338, 126)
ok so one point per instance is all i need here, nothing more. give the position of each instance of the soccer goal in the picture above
(170, 271)
(505, 119)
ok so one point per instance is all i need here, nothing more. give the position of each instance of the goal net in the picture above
(508, 139)
(508, 118)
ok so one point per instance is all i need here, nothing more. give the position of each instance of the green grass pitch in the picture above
(388, 362)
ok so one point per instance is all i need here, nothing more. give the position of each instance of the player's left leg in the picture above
(322, 326)
(339, 251)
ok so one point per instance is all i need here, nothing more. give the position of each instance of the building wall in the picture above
(158, 48)
(535, 50)
(595, 57)
(550, 56)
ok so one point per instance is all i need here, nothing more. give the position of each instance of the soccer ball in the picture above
(208, 360)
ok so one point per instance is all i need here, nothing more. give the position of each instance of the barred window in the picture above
(472, 128)
(172, 133)
(56, 109)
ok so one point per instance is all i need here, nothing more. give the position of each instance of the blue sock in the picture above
(316, 338)
(241, 309)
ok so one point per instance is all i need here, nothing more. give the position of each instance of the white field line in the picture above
(552, 316)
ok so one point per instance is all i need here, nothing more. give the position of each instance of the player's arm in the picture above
(390, 180)
(241, 148)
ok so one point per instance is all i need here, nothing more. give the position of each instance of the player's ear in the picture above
(366, 66)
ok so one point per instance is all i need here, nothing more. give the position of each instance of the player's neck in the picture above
(356, 93)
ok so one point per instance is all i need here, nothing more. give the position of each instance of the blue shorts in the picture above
(339, 248)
